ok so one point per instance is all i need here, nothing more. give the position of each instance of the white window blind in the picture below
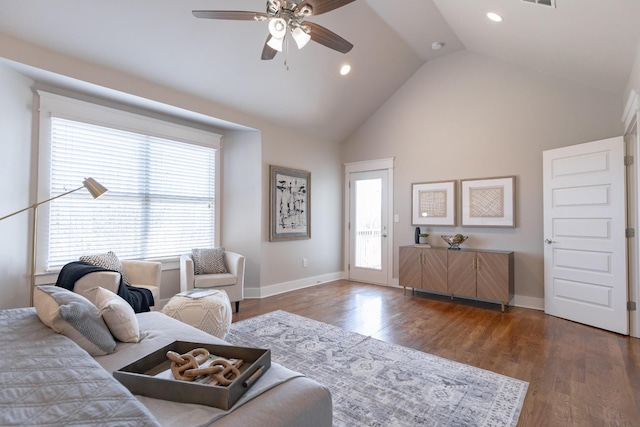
(161, 199)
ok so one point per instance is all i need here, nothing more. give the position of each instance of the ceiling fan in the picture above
(285, 17)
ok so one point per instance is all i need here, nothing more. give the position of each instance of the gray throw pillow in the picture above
(74, 316)
(208, 261)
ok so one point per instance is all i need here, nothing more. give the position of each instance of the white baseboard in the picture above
(528, 302)
(280, 288)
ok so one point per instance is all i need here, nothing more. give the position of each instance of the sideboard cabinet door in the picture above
(434, 270)
(494, 276)
(410, 267)
(461, 274)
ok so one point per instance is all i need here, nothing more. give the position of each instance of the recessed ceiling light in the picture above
(437, 45)
(494, 17)
(345, 69)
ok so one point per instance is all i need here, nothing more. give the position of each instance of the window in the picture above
(161, 179)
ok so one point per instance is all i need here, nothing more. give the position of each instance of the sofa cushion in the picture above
(108, 260)
(118, 315)
(208, 261)
(74, 316)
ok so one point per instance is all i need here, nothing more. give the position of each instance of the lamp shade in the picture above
(301, 37)
(275, 43)
(278, 27)
(94, 187)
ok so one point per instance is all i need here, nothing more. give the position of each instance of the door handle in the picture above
(549, 241)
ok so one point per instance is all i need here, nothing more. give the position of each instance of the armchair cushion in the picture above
(214, 280)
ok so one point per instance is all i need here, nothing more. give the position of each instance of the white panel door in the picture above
(585, 261)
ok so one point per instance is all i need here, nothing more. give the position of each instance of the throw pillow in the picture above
(74, 316)
(108, 260)
(208, 261)
(118, 315)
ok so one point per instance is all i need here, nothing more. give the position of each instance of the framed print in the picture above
(489, 202)
(433, 203)
(289, 204)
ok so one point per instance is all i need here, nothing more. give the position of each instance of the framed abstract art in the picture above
(289, 204)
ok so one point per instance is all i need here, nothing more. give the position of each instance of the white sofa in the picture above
(232, 282)
(47, 379)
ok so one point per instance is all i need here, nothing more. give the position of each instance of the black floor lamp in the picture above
(95, 189)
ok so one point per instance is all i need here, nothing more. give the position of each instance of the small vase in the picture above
(417, 235)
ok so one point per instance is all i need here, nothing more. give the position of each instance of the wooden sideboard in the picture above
(473, 273)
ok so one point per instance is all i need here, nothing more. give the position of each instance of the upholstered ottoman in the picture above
(210, 313)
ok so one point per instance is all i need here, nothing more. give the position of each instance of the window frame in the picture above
(115, 116)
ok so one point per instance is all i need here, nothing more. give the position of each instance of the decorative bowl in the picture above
(454, 241)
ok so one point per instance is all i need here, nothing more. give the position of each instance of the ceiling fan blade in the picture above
(324, 6)
(268, 53)
(320, 34)
(230, 14)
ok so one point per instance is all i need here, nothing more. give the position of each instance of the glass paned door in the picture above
(368, 223)
(368, 227)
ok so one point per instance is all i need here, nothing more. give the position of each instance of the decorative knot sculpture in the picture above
(186, 367)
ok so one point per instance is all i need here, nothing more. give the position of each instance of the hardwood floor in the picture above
(578, 375)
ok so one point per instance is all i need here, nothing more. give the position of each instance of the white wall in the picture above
(281, 262)
(242, 186)
(634, 77)
(276, 266)
(470, 116)
(15, 160)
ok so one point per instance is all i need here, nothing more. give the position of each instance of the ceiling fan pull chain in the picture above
(286, 52)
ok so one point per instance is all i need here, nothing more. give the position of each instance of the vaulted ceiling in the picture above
(592, 42)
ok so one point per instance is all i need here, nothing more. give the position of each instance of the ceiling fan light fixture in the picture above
(300, 36)
(278, 27)
(275, 43)
(284, 16)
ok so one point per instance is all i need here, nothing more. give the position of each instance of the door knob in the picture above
(549, 241)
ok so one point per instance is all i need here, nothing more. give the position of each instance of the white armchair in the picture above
(141, 274)
(232, 282)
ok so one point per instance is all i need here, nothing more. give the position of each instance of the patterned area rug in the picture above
(374, 383)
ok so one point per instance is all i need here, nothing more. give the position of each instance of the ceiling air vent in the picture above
(548, 3)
